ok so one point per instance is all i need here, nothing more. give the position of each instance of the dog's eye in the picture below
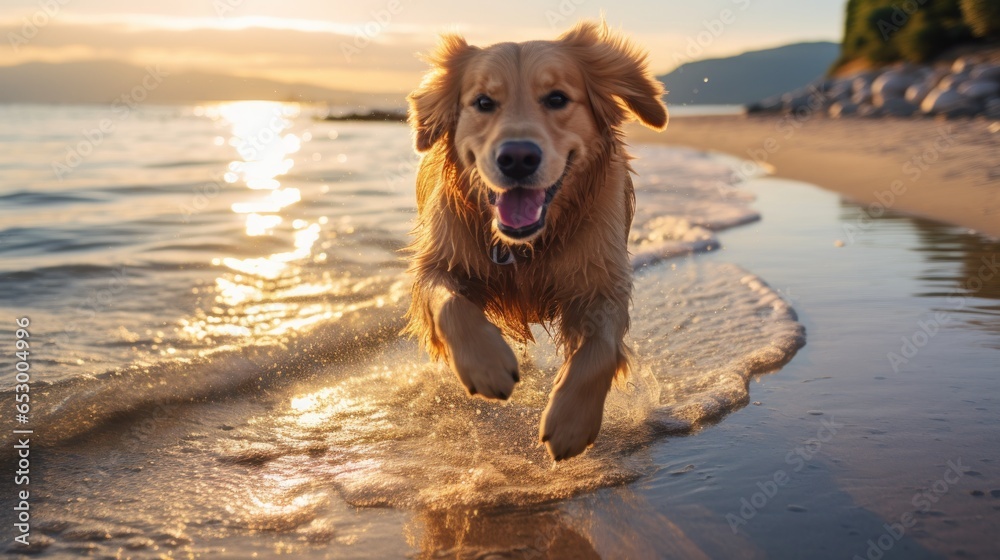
(485, 104)
(556, 100)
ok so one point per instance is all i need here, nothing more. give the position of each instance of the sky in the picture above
(372, 45)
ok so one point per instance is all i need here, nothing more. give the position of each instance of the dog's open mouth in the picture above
(520, 212)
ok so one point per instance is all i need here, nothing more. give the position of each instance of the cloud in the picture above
(386, 61)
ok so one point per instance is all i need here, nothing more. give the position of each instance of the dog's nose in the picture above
(519, 159)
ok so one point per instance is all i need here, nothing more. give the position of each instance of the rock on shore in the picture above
(969, 86)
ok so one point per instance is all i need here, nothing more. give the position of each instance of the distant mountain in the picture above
(750, 76)
(105, 81)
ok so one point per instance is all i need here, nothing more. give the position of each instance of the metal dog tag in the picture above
(501, 255)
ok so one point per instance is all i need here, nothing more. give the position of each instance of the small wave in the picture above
(67, 409)
(332, 176)
(184, 163)
(55, 246)
(59, 271)
(396, 431)
(151, 189)
(388, 429)
(27, 198)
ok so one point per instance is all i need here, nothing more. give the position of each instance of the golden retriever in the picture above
(525, 201)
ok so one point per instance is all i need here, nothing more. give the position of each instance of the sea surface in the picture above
(178, 255)
(216, 293)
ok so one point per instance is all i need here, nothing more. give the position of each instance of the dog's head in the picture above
(520, 114)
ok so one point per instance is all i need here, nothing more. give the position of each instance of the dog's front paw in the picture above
(479, 355)
(571, 421)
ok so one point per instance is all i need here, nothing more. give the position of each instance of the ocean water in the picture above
(215, 296)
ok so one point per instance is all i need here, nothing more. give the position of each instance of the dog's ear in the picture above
(434, 105)
(618, 80)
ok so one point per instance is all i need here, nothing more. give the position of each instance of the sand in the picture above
(946, 170)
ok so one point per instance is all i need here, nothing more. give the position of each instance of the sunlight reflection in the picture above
(274, 202)
(233, 293)
(315, 409)
(278, 291)
(261, 137)
(261, 225)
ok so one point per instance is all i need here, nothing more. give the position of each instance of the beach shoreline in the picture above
(945, 170)
(333, 441)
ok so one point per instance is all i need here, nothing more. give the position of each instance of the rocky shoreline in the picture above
(968, 86)
(374, 115)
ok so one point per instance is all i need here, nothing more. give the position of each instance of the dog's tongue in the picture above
(518, 208)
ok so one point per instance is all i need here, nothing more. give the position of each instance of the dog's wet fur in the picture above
(523, 146)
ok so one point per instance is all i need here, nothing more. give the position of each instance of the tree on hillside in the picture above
(983, 16)
(885, 31)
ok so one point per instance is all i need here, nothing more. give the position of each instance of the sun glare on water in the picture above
(261, 138)
(278, 294)
(260, 134)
